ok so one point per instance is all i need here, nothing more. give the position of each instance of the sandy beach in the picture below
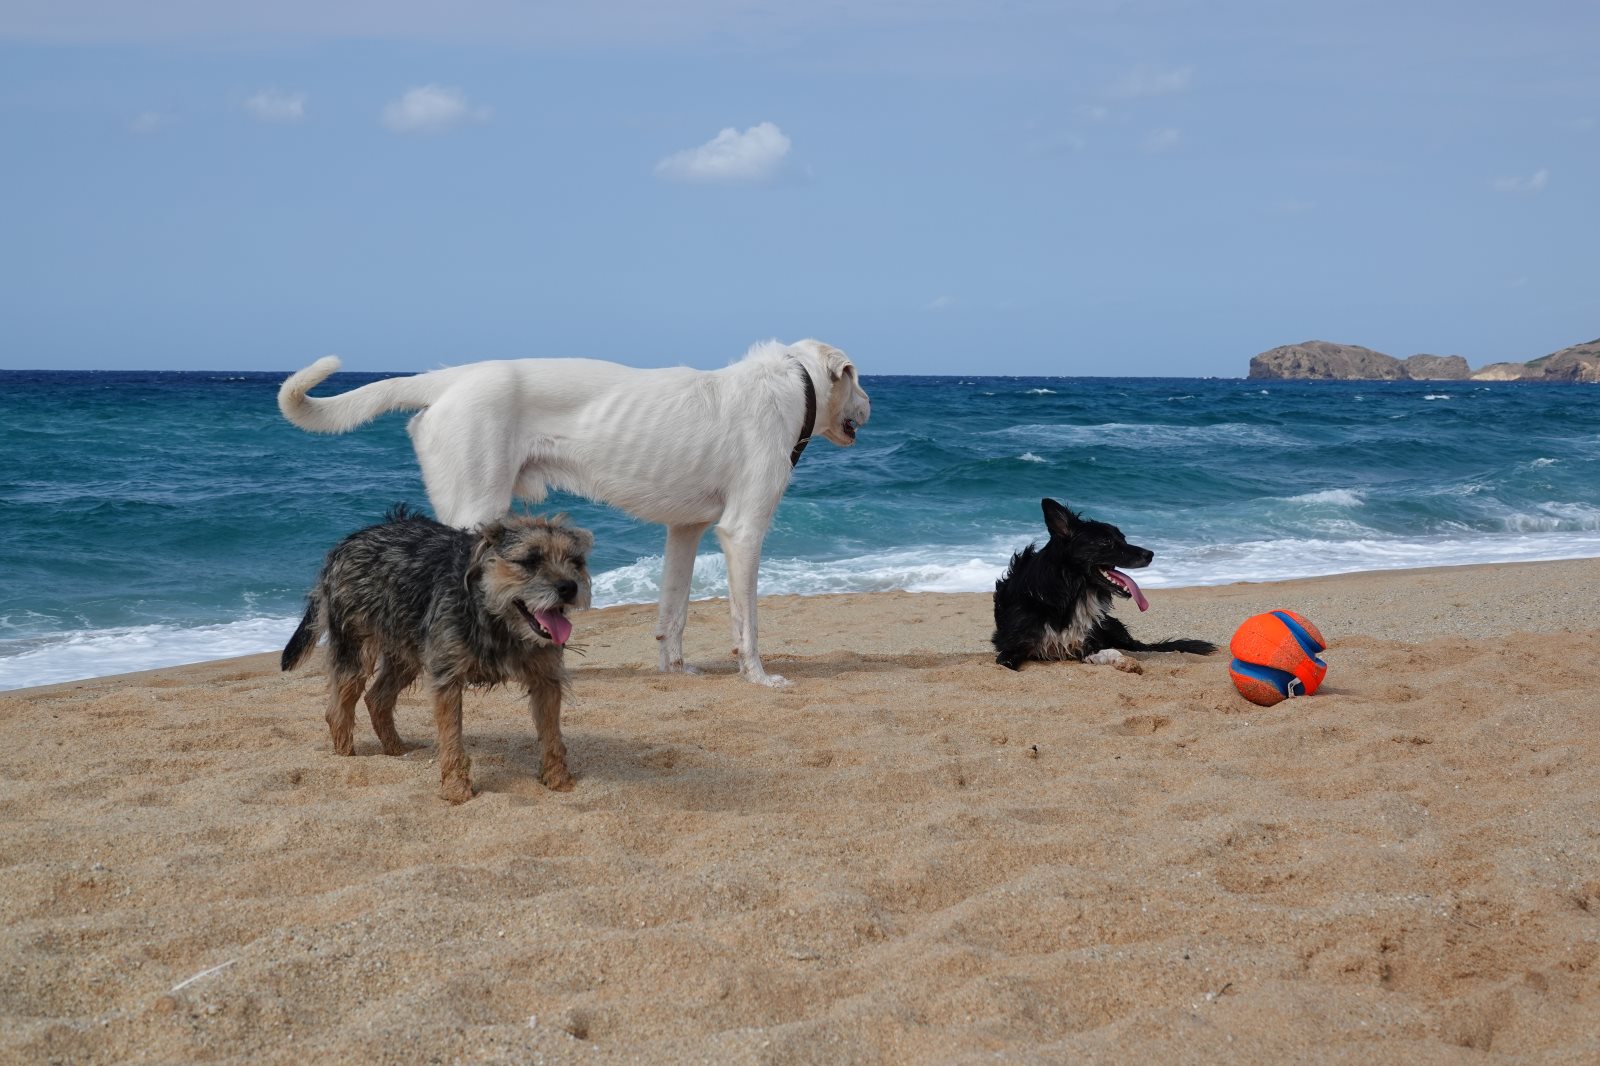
(912, 855)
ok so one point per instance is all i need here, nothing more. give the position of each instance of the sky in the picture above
(1149, 187)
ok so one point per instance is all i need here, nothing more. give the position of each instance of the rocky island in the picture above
(1325, 360)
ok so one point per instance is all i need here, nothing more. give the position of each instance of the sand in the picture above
(912, 855)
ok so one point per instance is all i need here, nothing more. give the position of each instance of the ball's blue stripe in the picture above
(1308, 644)
(1278, 679)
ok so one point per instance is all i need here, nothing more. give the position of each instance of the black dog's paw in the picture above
(1009, 662)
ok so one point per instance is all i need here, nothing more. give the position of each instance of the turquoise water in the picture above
(148, 519)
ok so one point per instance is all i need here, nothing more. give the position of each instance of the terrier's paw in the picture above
(455, 791)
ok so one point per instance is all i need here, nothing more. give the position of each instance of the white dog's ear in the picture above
(838, 364)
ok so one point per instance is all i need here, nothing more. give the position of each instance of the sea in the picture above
(151, 519)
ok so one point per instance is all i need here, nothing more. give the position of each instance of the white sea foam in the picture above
(1555, 518)
(1337, 497)
(1041, 392)
(1029, 457)
(93, 653)
(1153, 436)
(1437, 396)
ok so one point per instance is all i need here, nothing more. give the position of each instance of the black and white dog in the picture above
(1054, 602)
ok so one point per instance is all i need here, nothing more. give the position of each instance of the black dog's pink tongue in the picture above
(1131, 586)
(555, 624)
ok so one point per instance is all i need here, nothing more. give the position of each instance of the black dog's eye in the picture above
(531, 561)
(579, 561)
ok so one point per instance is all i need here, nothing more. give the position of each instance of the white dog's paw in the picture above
(761, 677)
(679, 667)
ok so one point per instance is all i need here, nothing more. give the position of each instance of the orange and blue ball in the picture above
(1275, 657)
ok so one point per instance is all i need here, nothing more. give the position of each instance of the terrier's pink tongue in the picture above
(555, 624)
(1132, 586)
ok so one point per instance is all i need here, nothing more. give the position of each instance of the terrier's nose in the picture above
(568, 590)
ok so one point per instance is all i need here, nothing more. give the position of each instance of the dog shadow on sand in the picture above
(819, 668)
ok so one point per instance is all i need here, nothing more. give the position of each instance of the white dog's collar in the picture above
(811, 414)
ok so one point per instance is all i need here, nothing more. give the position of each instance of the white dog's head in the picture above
(844, 406)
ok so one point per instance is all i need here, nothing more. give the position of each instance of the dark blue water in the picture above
(154, 518)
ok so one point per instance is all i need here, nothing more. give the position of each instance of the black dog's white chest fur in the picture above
(1068, 641)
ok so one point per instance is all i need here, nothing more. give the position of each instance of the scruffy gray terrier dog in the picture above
(464, 607)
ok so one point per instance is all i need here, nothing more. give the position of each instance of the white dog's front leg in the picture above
(742, 549)
(677, 570)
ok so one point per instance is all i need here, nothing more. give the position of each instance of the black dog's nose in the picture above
(568, 590)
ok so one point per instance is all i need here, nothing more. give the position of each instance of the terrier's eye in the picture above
(531, 561)
(579, 561)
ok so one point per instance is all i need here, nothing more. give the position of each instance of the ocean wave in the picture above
(1149, 435)
(1029, 457)
(1336, 497)
(929, 569)
(1041, 392)
(1554, 517)
(73, 656)
(53, 658)
(1293, 558)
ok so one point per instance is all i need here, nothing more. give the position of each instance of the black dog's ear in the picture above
(1057, 519)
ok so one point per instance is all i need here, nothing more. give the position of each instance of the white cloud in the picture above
(1058, 143)
(1533, 183)
(1093, 112)
(1145, 81)
(940, 303)
(431, 109)
(1162, 140)
(757, 154)
(148, 122)
(270, 105)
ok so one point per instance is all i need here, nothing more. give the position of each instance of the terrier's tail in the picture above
(342, 413)
(305, 637)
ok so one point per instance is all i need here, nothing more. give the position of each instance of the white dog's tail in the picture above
(342, 413)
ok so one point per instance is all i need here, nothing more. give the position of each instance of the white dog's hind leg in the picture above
(742, 548)
(468, 475)
(677, 570)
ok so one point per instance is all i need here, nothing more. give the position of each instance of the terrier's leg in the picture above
(544, 699)
(386, 688)
(455, 768)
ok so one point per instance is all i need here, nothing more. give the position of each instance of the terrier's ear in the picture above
(1057, 519)
(490, 536)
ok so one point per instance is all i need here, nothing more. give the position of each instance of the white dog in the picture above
(682, 447)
